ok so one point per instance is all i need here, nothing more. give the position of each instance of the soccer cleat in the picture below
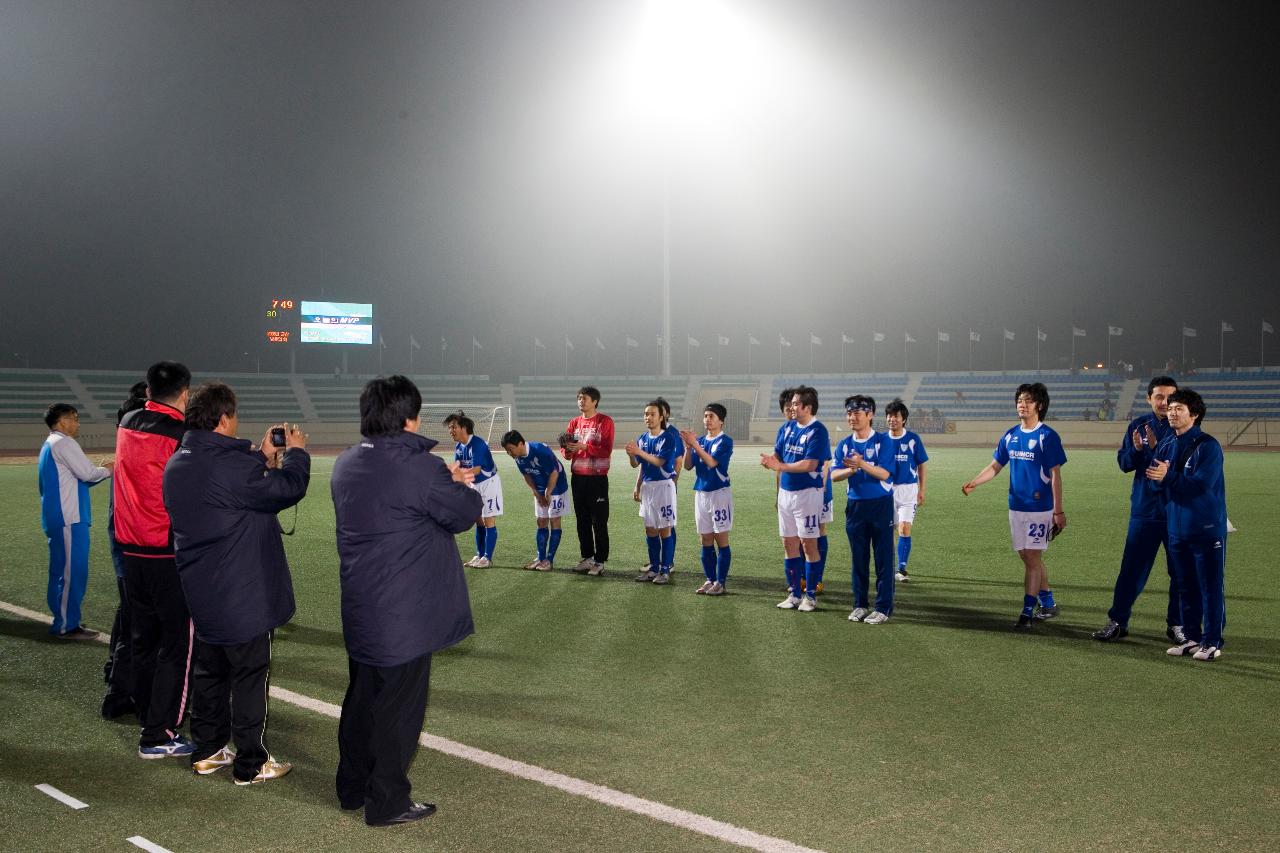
(1176, 634)
(1042, 613)
(584, 565)
(1112, 631)
(271, 769)
(646, 576)
(901, 576)
(179, 747)
(533, 564)
(472, 562)
(543, 566)
(876, 618)
(220, 759)
(1025, 622)
(1190, 647)
(79, 632)
(481, 563)
(705, 588)
(596, 570)
(859, 614)
(1207, 653)
(417, 811)
(663, 578)
(717, 588)
(788, 603)
(807, 604)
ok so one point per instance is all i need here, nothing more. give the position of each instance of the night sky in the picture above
(495, 170)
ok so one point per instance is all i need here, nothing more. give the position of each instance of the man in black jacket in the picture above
(223, 496)
(398, 507)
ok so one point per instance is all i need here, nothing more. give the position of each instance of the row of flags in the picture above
(815, 340)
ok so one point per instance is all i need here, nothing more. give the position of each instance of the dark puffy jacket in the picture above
(223, 501)
(398, 508)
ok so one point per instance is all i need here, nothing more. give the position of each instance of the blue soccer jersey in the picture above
(877, 449)
(474, 453)
(539, 463)
(1030, 455)
(664, 448)
(710, 479)
(799, 443)
(908, 456)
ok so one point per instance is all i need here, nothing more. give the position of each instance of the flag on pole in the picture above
(722, 340)
(444, 344)
(599, 343)
(539, 344)
(413, 342)
(783, 342)
(1041, 336)
(659, 341)
(1008, 335)
(906, 336)
(814, 339)
(381, 343)
(632, 342)
(974, 336)
(845, 339)
(1266, 328)
(693, 342)
(877, 337)
(944, 337)
(568, 344)
(475, 343)
(1115, 331)
(1077, 333)
(1226, 327)
(1188, 332)
(752, 341)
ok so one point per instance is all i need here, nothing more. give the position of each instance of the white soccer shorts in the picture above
(558, 508)
(799, 513)
(1030, 530)
(828, 511)
(904, 502)
(713, 511)
(491, 491)
(658, 503)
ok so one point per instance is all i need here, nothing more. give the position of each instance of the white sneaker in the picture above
(876, 618)
(584, 565)
(596, 569)
(532, 564)
(543, 566)
(789, 603)
(472, 562)
(807, 604)
(705, 588)
(480, 563)
(717, 588)
(858, 614)
(1190, 647)
(901, 576)
(1208, 653)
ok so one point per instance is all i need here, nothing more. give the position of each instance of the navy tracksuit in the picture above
(1148, 529)
(868, 520)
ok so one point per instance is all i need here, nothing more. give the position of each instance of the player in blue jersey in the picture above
(1147, 526)
(545, 476)
(908, 479)
(798, 456)
(472, 451)
(1188, 471)
(709, 456)
(865, 459)
(1035, 458)
(655, 454)
(680, 448)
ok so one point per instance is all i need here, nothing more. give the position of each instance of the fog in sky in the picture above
(500, 171)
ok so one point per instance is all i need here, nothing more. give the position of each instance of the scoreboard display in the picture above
(314, 322)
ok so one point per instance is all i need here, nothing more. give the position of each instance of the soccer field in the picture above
(942, 729)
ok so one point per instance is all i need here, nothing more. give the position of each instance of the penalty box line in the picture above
(679, 818)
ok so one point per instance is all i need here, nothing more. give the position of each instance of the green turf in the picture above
(942, 729)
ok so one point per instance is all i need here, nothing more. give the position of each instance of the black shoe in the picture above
(417, 811)
(1176, 634)
(1025, 622)
(351, 807)
(1111, 631)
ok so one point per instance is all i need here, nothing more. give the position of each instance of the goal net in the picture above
(491, 421)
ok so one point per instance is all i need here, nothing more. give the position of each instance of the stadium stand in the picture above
(990, 395)
(26, 394)
(338, 399)
(832, 390)
(552, 399)
(1232, 395)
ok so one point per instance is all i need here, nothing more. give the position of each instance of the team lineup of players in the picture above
(1178, 500)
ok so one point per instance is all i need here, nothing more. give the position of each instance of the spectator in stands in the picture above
(65, 475)
(223, 497)
(1188, 469)
(960, 401)
(118, 670)
(1147, 524)
(161, 624)
(398, 507)
(588, 445)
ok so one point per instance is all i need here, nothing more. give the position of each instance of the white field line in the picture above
(139, 841)
(65, 799)
(680, 818)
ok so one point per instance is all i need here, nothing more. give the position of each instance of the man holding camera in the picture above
(223, 495)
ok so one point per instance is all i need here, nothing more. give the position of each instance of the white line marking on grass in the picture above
(65, 799)
(617, 799)
(149, 846)
(691, 821)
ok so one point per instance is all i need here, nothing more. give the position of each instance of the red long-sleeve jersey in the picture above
(595, 434)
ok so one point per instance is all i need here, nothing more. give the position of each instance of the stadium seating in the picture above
(26, 394)
(989, 396)
(552, 399)
(882, 387)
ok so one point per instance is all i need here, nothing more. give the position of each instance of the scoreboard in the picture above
(318, 322)
(282, 321)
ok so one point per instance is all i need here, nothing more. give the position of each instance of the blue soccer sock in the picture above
(1046, 598)
(904, 551)
(655, 550)
(479, 540)
(1028, 605)
(812, 574)
(822, 560)
(541, 539)
(668, 555)
(795, 573)
(723, 559)
(709, 562)
(490, 541)
(554, 544)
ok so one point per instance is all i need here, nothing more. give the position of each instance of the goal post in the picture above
(492, 420)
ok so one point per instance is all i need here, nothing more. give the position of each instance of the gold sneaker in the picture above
(271, 769)
(220, 759)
